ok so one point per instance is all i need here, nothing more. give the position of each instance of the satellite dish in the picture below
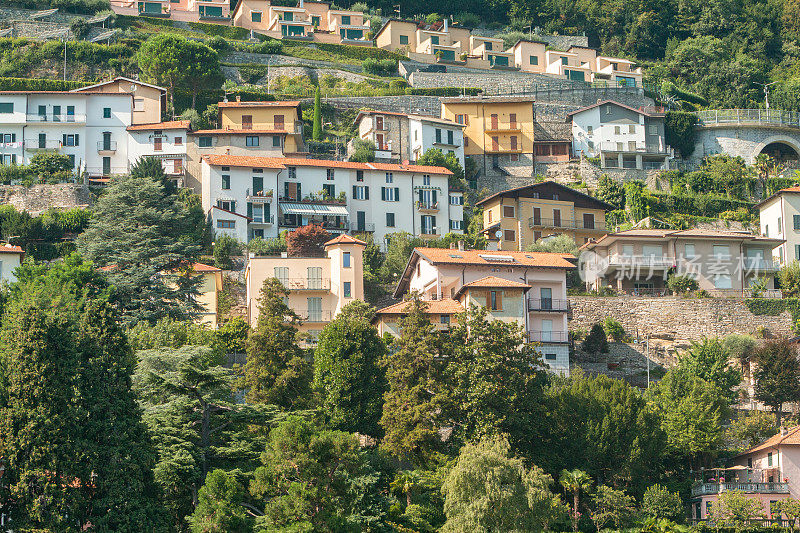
(133, 87)
(498, 234)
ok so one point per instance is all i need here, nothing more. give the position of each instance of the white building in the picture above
(250, 197)
(10, 259)
(621, 136)
(164, 140)
(89, 127)
(780, 218)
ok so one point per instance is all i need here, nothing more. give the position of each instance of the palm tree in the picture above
(575, 481)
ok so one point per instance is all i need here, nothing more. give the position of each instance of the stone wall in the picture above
(676, 317)
(423, 105)
(740, 140)
(40, 198)
(583, 170)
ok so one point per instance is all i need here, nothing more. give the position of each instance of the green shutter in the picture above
(250, 209)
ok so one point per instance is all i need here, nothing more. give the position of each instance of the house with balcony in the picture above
(639, 261)
(89, 127)
(248, 196)
(768, 472)
(404, 137)
(319, 287)
(779, 217)
(149, 101)
(527, 288)
(163, 140)
(621, 136)
(516, 218)
(214, 11)
(308, 20)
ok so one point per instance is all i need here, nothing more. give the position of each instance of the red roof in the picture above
(445, 306)
(221, 131)
(200, 267)
(345, 239)
(11, 249)
(281, 162)
(791, 438)
(273, 103)
(169, 125)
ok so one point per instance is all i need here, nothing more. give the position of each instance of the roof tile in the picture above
(445, 306)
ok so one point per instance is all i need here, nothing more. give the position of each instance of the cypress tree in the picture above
(317, 131)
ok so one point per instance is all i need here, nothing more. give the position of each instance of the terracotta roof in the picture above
(580, 199)
(170, 125)
(484, 257)
(492, 282)
(281, 162)
(487, 99)
(681, 234)
(792, 438)
(778, 193)
(272, 103)
(11, 249)
(237, 132)
(345, 239)
(200, 267)
(428, 118)
(446, 306)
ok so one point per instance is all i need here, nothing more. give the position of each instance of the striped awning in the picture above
(313, 209)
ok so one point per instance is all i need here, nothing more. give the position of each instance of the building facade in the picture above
(639, 261)
(516, 218)
(250, 197)
(214, 11)
(11, 258)
(209, 289)
(319, 287)
(527, 288)
(164, 140)
(621, 136)
(780, 218)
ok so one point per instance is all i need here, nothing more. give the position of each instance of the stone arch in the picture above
(787, 140)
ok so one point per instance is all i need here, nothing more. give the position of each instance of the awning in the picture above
(313, 209)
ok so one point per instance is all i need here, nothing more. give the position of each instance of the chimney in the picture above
(461, 245)
(446, 27)
(301, 4)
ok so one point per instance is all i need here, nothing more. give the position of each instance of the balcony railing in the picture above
(751, 488)
(641, 261)
(638, 148)
(112, 171)
(548, 304)
(499, 126)
(269, 126)
(366, 227)
(314, 316)
(566, 223)
(34, 144)
(428, 206)
(49, 117)
(767, 117)
(758, 264)
(103, 146)
(327, 224)
(306, 284)
(262, 194)
(556, 337)
(264, 220)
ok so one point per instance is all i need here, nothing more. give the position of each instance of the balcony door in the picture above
(494, 122)
(106, 140)
(379, 123)
(547, 330)
(546, 295)
(314, 277)
(279, 124)
(361, 221)
(588, 221)
(537, 216)
(247, 122)
(557, 218)
(42, 140)
(314, 309)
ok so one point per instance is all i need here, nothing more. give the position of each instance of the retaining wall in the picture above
(40, 198)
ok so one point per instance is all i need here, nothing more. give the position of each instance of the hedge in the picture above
(680, 131)
(774, 306)
(39, 84)
(705, 205)
(228, 32)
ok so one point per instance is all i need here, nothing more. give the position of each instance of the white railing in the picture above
(769, 117)
(752, 488)
(103, 146)
(49, 117)
(641, 261)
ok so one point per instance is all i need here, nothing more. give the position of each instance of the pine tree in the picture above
(317, 131)
(409, 404)
(144, 237)
(276, 371)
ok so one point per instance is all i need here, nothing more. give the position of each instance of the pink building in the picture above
(768, 472)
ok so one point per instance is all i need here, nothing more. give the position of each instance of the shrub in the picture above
(224, 247)
(680, 131)
(79, 27)
(364, 151)
(218, 43)
(596, 342)
(470, 20)
(614, 329)
(658, 502)
(258, 246)
(379, 67)
(681, 284)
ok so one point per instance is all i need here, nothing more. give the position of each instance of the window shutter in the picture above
(354, 192)
(76, 139)
(250, 209)
(499, 300)
(420, 196)
(299, 192)
(366, 192)
(266, 212)
(286, 189)
(383, 193)
(433, 223)
(488, 299)
(13, 137)
(63, 139)
(434, 197)
(397, 194)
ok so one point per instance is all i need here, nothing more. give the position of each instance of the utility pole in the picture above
(397, 10)
(65, 60)
(766, 92)
(648, 360)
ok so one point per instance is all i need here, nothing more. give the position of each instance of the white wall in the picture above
(422, 137)
(140, 144)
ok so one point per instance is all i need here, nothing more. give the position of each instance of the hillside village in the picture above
(308, 267)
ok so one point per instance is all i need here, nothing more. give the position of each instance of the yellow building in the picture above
(210, 287)
(516, 218)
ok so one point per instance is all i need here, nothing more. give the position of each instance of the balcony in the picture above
(757, 264)
(641, 261)
(751, 488)
(548, 337)
(635, 148)
(547, 305)
(34, 145)
(330, 225)
(49, 117)
(307, 284)
(105, 172)
(295, 129)
(106, 147)
(362, 228)
(497, 127)
(427, 207)
(536, 222)
(266, 221)
(315, 316)
(262, 196)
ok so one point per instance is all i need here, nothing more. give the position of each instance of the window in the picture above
(158, 144)
(456, 224)
(282, 275)
(438, 133)
(276, 141)
(404, 39)
(652, 129)
(749, 462)
(617, 130)
(450, 137)
(534, 60)
(722, 281)
(314, 309)
(631, 128)
(292, 173)
(106, 112)
(461, 119)
(178, 141)
(390, 194)
(359, 175)
(797, 251)
(428, 224)
(508, 211)
(360, 192)
(204, 141)
(138, 104)
(70, 139)
(347, 289)
(346, 260)
(56, 113)
(509, 235)
(256, 212)
(589, 130)
(329, 190)
(426, 180)
(255, 16)
(688, 251)
(550, 356)
(389, 177)
(6, 107)
(251, 140)
(564, 60)
(494, 300)
(769, 459)
(226, 224)
(434, 39)
(389, 220)
(345, 20)
(226, 181)
(588, 221)
(329, 174)
(796, 222)
(721, 251)
(456, 200)
(445, 320)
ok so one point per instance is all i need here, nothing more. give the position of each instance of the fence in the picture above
(767, 117)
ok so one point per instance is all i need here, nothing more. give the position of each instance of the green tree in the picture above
(610, 191)
(563, 244)
(224, 247)
(152, 167)
(435, 158)
(143, 236)
(611, 506)
(789, 278)
(317, 121)
(634, 200)
(219, 506)
(790, 508)
(575, 482)
(51, 167)
(735, 509)
(777, 375)
(489, 490)
(681, 284)
(276, 371)
(71, 435)
(347, 372)
(596, 341)
(658, 502)
(412, 376)
(711, 361)
(363, 151)
(749, 428)
(316, 480)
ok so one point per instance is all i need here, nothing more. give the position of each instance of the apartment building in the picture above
(780, 218)
(149, 101)
(498, 131)
(250, 197)
(164, 140)
(516, 218)
(621, 136)
(214, 11)
(308, 20)
(639, 261)
(527, 288)
(87, 126)
(261, 129)
(404, 137)
(319, 287)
